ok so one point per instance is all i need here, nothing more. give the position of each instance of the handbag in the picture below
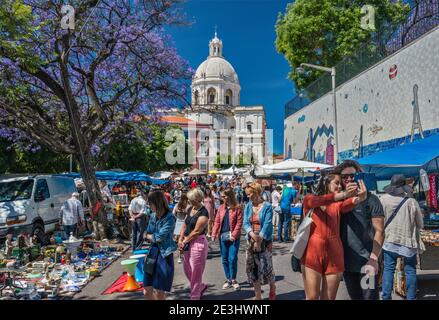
(151, 260)
(302, 237)
(226, 236)
(295, 264)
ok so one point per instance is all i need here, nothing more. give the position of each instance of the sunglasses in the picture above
(348, 176)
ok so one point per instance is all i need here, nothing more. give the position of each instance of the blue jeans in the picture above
(284, 222)
(229, 255)
(389, 271)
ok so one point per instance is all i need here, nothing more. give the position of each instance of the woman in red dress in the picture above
(323, 260)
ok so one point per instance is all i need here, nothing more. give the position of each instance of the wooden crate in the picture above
(429, 260)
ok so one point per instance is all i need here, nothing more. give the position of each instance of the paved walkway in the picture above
(289, 284)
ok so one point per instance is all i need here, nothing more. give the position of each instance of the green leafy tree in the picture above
(243, 160)
(142, 152)
(41, 160)
(223, 161)
(323, 32)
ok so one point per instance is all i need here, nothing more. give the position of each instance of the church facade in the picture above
(238, 130)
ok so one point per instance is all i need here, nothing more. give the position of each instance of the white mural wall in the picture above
(376, 110)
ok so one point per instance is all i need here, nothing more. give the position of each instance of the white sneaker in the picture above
(236, 285)
(179, 260)
(227, 285)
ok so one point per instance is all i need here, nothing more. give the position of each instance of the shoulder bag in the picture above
(226, 236)
(152, 256)
(302, 237)
(394, 213)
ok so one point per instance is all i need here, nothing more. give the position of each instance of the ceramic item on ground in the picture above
(139, 266)
(72, 245)
(131, 284)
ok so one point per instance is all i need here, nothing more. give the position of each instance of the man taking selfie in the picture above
(362, 234)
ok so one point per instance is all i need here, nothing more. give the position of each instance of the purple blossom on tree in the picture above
(74, 90)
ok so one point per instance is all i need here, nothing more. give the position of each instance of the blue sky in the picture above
(246, 28)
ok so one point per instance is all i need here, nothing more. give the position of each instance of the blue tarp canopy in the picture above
(406, 159)
(121, 176)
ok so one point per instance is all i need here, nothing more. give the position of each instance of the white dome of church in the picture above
(215, 82)
(216, 67)
(215, 102)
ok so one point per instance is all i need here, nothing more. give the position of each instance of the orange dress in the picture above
(324, 252)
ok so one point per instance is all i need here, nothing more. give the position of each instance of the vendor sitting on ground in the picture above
(71, 214)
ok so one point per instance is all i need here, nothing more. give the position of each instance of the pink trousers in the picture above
(193, 265)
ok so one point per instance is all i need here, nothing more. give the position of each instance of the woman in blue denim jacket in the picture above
(160, 232)
(258, 226)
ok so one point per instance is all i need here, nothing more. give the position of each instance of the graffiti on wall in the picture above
(357, 145)
(320, 145)
(416, 122)
(374, 130)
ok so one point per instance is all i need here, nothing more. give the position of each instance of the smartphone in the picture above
(369, 180)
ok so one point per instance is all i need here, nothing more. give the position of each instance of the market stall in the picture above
(56, 271)
(419, 160)
(289, 166)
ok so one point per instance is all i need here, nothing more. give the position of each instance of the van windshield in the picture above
(16, 190)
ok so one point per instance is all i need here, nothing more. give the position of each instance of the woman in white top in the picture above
(180, 212)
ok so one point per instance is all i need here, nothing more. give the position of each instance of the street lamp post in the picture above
(334, 98)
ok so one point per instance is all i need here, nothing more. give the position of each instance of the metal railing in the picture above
(421, 19)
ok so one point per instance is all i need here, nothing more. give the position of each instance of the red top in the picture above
(256, 224)
(324, 252)
(235, 218)
(326, 223)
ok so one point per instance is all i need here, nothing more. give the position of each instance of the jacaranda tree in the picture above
(71, 89)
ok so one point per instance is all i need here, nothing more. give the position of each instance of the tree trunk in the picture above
(94, 193)
(83, 148)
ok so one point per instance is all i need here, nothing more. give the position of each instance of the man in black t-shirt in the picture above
(362, 234)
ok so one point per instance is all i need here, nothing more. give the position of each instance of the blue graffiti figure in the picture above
(365, 108)
(301, 119)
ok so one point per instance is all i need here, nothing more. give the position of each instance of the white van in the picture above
(31, 203)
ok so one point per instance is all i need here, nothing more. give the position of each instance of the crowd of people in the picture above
(185, 216)
(355, 236)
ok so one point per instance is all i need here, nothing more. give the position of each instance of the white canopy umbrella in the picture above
(289, 166)
(231, 172)
(196, 172)
(162, 175)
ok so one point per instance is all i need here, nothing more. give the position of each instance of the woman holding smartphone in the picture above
(323, 259)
